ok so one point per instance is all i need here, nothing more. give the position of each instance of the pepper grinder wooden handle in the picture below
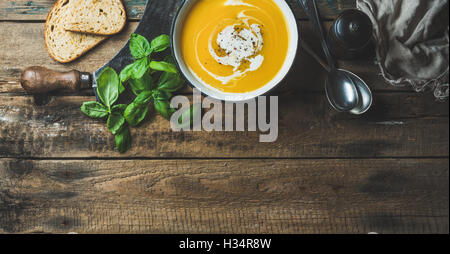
(40, 80)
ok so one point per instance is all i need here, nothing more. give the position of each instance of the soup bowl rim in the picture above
(194, 82)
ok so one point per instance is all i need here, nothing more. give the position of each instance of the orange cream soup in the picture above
(235, 46)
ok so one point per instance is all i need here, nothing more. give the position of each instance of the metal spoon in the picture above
(364, 92)
(339, 86)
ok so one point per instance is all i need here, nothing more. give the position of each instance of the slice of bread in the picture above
(104, 17)
(65, 46)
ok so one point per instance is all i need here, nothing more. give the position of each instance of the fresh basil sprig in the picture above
(108, 90)
(139, 46)
(150, 80)
(146, 90)
(141, 50)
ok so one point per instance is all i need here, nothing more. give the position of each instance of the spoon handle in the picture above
(311, 10)
(311, 52)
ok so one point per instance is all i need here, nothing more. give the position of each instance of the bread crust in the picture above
(45, 30)
(51, 53)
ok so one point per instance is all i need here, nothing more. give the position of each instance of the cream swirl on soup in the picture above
(238, 45)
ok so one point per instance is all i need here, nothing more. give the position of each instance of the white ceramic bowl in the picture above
(176, 33)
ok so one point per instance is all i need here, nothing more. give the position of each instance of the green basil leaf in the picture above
(161, 95)
(135, 70)
(123, 140)
(143, 98)
(115, 122)
(170, 82)
(94, 109)
(108, 86)
(135, 113)
(163, 107)
(189, 114)
(145, 83)
(140, 68)
(138, 109)
(163, 66)
(139, 46)
(160, 43)
(121, 88)
(119, 108)
(127, 73)
(165, 76)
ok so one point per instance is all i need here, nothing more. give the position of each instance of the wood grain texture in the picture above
(385, 171)
(306, 75)
(224, 196)
(37, 10)
(397, 125)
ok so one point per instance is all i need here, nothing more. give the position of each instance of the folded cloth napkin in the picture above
(412, 41)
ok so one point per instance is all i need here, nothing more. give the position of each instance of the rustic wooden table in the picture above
(385, 171)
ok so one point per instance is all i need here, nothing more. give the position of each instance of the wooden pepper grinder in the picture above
(350, 35)
(40, 80)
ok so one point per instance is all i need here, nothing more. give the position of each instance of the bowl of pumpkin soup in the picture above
(234, 50)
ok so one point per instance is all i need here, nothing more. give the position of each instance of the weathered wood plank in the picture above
(37, 9)
(28, 49)
(397, 125)
(224, 196)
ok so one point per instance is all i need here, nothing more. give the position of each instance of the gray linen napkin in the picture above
(412, 39)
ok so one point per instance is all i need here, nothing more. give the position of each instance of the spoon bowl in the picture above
(365, 94)
(341, 91)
